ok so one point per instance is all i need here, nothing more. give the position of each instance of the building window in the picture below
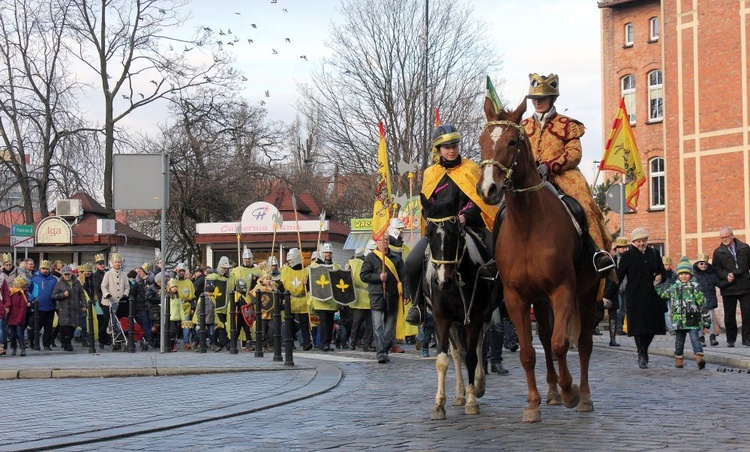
(656, 188)
(655, 96)
(653, 27)
(628, 34)
(628, 93)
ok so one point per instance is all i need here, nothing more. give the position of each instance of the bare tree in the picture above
(122, 42)
(37, 112)
(377, 73)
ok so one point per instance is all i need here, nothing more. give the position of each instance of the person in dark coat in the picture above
(385, 274)
(68, 293)
(705, 274)
(731, 261)
(642, 265)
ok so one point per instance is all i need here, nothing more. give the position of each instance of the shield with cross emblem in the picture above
(320, 283)
(343, 287)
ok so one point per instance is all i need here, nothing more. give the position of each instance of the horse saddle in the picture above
(576, 212)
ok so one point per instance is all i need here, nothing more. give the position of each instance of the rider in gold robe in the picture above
(556, 145)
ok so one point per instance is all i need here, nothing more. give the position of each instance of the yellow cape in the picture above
(466, 175)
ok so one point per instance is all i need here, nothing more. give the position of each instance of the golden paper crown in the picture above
(85, 267)
(702, 257)
(44, 264)
(7, 257)
(146, 267)
(543, 85)
(99, 258)
(621, 241)
(115, 258)
(666, 260)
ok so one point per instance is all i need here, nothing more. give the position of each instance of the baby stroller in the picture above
(118, 335)
(138, 336)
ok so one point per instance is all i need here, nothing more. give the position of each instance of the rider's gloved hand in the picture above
(543, 171)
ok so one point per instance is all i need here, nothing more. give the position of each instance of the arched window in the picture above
(653, 29)
(656, 183)
(655, 96)
(629, 34)
(628, 93)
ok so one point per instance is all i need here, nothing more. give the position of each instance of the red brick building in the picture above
(682, 67)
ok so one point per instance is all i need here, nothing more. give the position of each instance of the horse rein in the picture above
(438, 222)
(508, 184)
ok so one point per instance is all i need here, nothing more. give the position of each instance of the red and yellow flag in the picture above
(621, 155)
(381, 212)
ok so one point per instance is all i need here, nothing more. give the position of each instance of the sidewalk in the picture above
(737, 357)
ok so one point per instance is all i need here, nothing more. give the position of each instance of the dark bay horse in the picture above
(458, 299)
(536, 251)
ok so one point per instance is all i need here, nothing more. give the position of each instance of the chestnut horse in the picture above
(458, 299)
(536, 251)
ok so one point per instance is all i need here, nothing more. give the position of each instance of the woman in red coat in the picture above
(17, 315)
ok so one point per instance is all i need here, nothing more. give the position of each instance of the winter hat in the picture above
(684, 266)
(638, 233)
(171, 283)
(702, 257)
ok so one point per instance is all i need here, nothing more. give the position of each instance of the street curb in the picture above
(310, 382)
(739, 363)
(44, 373)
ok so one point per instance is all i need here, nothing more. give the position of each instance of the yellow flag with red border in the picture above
(381, 212)
(621, 155)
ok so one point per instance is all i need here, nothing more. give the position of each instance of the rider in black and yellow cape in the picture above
(450, 177)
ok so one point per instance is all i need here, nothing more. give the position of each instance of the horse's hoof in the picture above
(585, 406)
(553, 398)
(573, 397)
(480, 392)
(459, 401)
(471, 409)
(532, 415)
(438, 414)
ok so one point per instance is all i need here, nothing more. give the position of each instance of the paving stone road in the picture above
(374, 406)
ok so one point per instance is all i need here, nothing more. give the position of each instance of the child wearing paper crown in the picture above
(688, 306)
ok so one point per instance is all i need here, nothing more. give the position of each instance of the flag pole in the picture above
(273, 240)
(299, 237)
(411, 215)
(622, 208)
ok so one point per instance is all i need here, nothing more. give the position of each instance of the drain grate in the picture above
(732, 370)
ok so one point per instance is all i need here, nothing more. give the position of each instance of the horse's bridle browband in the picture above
(452, 218)
(508, 182)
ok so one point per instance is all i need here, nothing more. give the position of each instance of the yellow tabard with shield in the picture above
(247, 273)
(318, 304)
(224, 285)
(360, 287)
(294, 282)
(186, 290)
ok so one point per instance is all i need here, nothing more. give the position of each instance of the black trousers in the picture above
(46, 319)
(361, 326)
(326, 327)
(304, 326)
(730, 319)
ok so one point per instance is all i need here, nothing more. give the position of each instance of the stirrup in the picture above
(414, 316)
(608, 265)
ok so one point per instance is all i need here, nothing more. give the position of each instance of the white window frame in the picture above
(628, 93)
(653, 29)
(656, 93)
(656, 179)
(629, 34)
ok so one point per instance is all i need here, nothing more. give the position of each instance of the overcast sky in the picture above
(560, 36)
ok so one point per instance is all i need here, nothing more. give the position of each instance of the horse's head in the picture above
(445, 235)
(507, 162)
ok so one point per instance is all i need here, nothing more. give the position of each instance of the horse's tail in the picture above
(574, 325)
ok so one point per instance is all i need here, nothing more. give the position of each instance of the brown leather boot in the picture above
(678, 362)
(699, 359)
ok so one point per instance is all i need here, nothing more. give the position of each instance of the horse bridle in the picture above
(508, 184)
(437, 222)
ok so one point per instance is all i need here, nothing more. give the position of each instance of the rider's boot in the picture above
(415, 316)
(603, 263)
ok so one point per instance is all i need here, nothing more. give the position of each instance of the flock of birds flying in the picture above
(226, 37)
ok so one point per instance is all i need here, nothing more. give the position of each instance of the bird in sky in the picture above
(229, 31)
(220, 43)
(221, 32)
(253, 25)
(230, 43)
(274, 51)
(268, 94)
(304, 57)
(207, 29)
(125, 97)
(188, 49)
(244, 79)
(263, 102)
(285, 10)
(287, 40)
(249, 41)
(154, 82)
(239, 14)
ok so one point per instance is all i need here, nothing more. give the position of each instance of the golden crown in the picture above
(115, 258)
(99, 258)
(7, 257)
(44, 264)
(702, 257)
(621, 241)
(543, 85)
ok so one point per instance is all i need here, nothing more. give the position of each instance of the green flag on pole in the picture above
(492, 95)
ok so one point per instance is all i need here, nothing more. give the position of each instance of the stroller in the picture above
(138, 336)
(116, 332)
